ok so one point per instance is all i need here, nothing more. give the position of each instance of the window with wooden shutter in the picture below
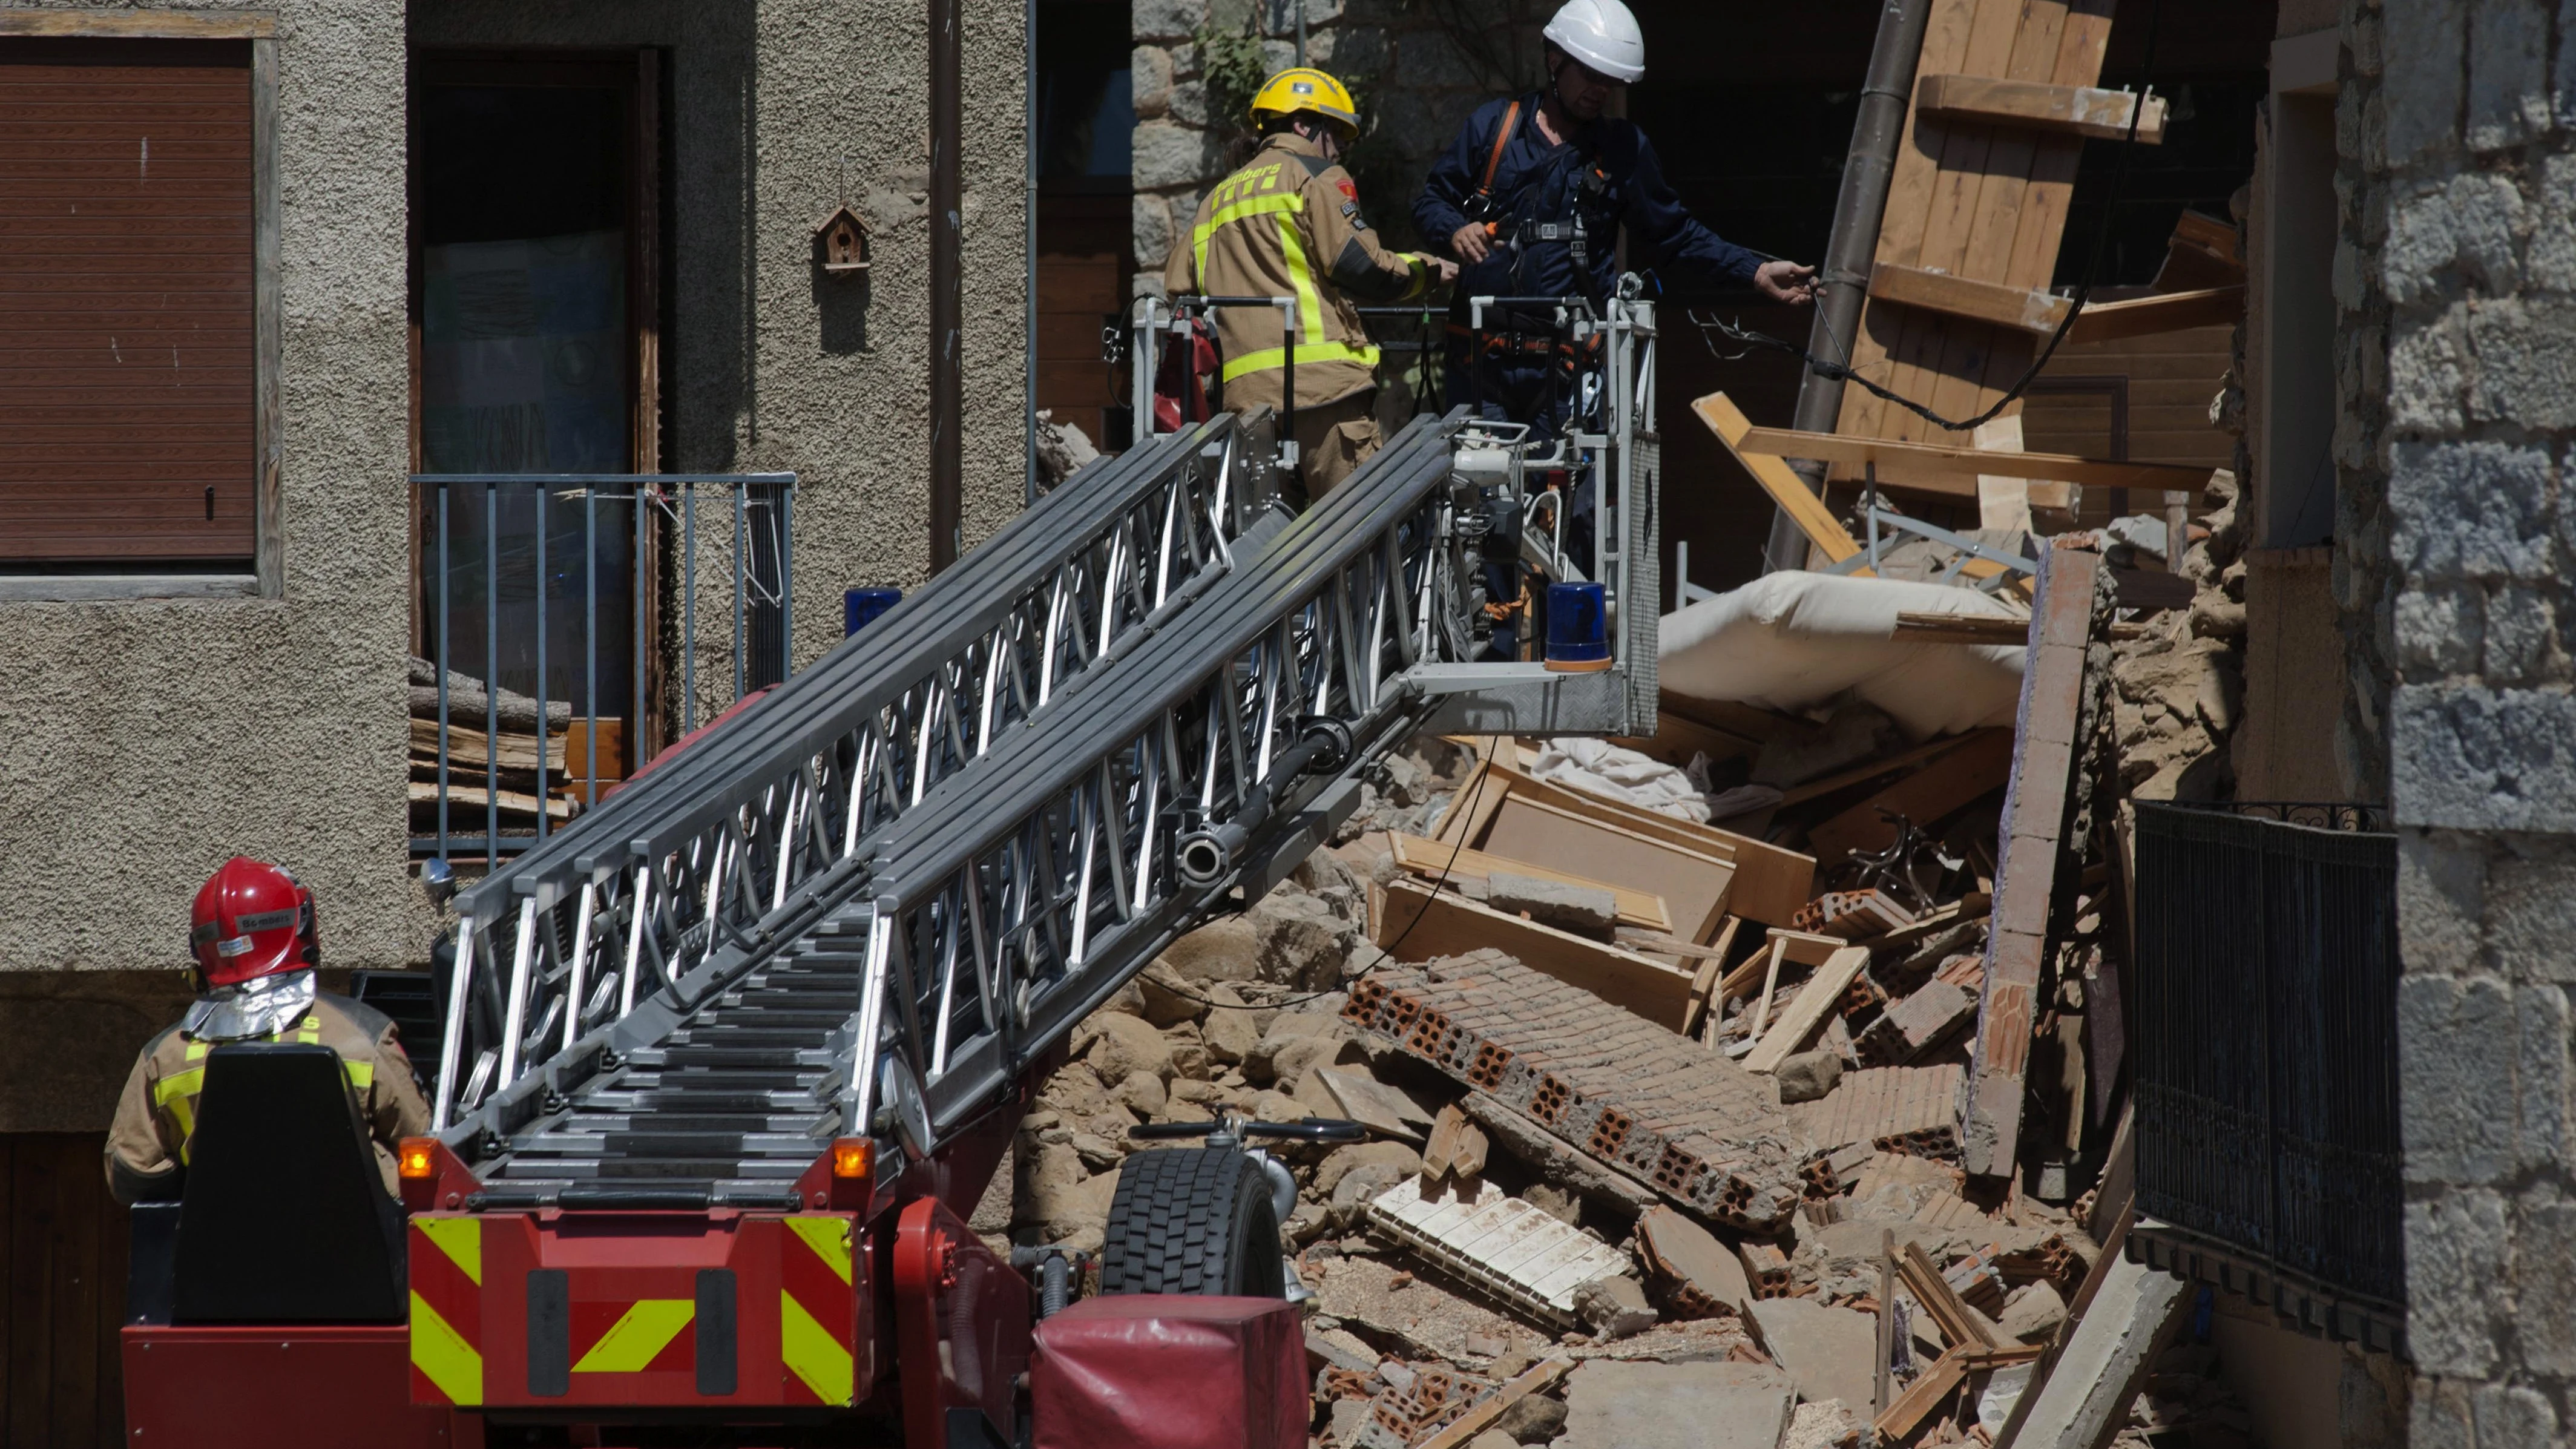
(127, 414)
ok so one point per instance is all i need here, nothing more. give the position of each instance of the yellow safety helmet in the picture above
(1304, 88)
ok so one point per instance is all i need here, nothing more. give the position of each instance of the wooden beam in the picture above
(1928, 465)
(140, 24)
(1863, 773)
(1927, 795)
(2078, 110)
(1807, 948)
(1411, 923)
(1950, 1313)
(1815, 1001)
(1786, 488)
(268, 328)
(2151, 316)
(1485, 1411)
(1921, 1397)
(2022, 308)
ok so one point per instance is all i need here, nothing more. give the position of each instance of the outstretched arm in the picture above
(1672, 237)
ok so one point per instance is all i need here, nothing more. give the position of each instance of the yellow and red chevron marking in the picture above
(446, 1309)
(649, 1335)
(817, 1319)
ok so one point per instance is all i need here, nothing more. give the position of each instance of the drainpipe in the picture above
(947, 300)
(1029, 271)
(1885, 97)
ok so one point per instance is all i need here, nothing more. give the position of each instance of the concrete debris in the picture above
(1913, 1110)
(1615, 1308)
(1694, 1272)
(1828, 1352)
(1677, 1406)
(1808, 1076)
(1585, 910)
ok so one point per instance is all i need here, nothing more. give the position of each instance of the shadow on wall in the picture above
(64, 1059)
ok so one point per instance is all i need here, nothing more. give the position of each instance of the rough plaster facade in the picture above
(1418, 70)
(2456, 281)
(143, 740)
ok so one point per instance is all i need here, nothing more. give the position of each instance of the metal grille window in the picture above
(128, 373)
(2267, 1051)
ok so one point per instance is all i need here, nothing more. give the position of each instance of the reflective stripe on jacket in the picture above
(156, 1119)
(1289, 225)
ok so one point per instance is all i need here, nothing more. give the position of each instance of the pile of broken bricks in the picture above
(1674, 1129)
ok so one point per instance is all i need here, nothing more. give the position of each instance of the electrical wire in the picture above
(1385, 953)
(1843, 372)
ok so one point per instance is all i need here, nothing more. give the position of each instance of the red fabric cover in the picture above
(1171, 1371)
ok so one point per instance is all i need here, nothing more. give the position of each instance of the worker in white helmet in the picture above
(1530, 199)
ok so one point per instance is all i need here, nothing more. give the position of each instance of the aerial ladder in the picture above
(727, 1063)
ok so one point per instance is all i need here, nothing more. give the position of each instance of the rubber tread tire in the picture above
(1192, 1220)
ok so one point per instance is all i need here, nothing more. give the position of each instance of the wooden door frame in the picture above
(640, 75)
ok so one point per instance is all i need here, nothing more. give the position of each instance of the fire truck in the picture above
(725, 1065)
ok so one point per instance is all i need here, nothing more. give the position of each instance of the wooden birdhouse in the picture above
(841, 243)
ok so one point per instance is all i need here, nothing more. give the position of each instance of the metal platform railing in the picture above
(737, 841)
(569, 622)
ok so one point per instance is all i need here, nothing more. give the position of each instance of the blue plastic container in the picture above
(1578, 627)
(860, 607)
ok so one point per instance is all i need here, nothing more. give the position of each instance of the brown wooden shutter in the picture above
(126, 357)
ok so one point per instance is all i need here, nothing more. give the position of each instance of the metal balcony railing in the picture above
(570, 626)
(2266, 1128)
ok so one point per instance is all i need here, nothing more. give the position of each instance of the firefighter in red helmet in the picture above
(252, 938)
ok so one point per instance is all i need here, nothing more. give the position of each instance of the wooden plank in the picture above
(1923, 797)
(1410, 923)
(1807, 948)
(1704, 1002)
(1928, 464)
(1771, 882)
(1770, 988)
(471, 797)
(2077, 110)
(1485, 1411)
(1692, 886)
(1786, 488)
(1863, 773)
(1959, 1326)
(114, 1234)
(1992, 631)
(2026, 309)
(140, 24)
(9, 1155)
(1924, 1395)
(2146, 316)
(1430, 859)
(1807, 1012)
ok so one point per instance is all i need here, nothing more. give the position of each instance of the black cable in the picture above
(1841, 372)
(1385, 953)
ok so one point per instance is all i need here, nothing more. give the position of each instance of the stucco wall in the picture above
(2459, 243)
(142, 741)
(1418, 71)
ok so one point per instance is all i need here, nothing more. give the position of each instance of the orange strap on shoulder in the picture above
(1502, 138)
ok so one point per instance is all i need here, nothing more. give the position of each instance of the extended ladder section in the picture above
(872, 902)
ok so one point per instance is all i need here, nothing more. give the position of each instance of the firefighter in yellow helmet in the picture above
(1289, 225)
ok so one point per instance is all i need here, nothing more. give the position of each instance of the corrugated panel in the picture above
(126, 414)
(1507, 1247)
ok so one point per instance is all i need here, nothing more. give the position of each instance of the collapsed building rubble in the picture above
(1769, 1064)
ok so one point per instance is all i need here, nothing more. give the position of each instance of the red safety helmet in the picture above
(251, 920)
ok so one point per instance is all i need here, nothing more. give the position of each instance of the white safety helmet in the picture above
(1602, 35)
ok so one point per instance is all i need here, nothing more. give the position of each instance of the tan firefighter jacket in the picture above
(1289, 225)
(157, 1116)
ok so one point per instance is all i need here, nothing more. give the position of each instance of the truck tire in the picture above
(1192, 1220)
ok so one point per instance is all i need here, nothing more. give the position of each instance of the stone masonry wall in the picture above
(1418, 66)
(2457, 277)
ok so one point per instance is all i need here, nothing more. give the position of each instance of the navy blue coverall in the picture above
(1560, 208)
